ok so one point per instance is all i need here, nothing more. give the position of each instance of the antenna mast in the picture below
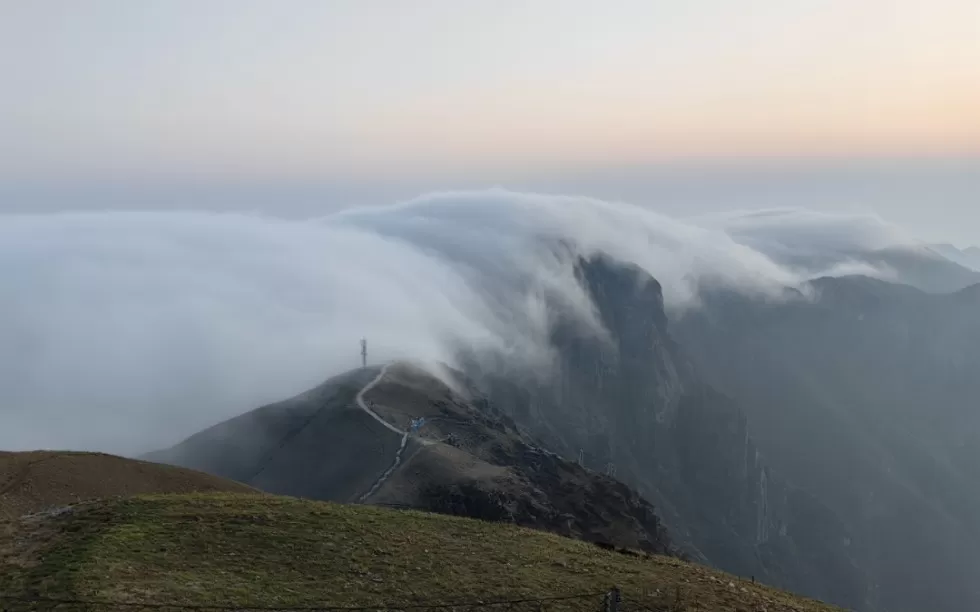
(364, 352)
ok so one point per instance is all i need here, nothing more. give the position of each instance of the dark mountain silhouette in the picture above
(932, 269)
(636, 401)
(467, 459)
(968, 257)
(923, 269)
(867, 396)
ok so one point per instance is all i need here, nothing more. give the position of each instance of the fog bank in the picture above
(126, 331)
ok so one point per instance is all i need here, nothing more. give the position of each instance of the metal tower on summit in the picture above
(364, 352)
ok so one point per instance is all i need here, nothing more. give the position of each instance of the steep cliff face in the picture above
(867, 396)
(631, 401)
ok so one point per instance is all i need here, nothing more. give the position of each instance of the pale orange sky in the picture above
(362, 87)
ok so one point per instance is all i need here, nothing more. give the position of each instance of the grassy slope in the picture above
(263, 550)
(33, 481)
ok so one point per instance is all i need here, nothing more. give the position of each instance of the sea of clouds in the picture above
(126, 331)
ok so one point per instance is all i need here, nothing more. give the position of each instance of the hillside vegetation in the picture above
(250, 550)
(34, 481)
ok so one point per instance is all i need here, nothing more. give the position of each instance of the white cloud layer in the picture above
(799, 232)
(126, 331)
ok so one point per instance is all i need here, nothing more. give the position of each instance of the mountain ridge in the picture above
(969, 256)
(466, 460)
(639, 402)
(656, 400)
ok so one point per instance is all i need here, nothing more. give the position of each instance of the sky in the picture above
(300, 107)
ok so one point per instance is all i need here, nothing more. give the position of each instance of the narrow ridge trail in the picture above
(363, 405)
(374, 415)
(359, 399)
(381, 480)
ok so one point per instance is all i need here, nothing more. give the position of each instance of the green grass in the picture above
(273, 551)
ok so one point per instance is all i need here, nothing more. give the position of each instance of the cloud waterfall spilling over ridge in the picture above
(126, 331)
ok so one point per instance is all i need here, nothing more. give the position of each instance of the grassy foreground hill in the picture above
(33, 481)
(265, 551)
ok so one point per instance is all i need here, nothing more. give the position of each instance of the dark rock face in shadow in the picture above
(634, 400)
(865, 395)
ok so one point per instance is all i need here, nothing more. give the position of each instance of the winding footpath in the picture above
(384, 477)
(363, 405)
(404, 434)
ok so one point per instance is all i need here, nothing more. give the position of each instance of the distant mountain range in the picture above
(930, 269)
(868, 397)
(921, 268)
(968, 257)
(825, 442)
